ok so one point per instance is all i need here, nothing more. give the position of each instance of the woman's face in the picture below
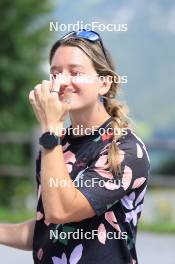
(77, 75)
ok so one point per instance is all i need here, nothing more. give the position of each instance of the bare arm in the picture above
(73, 205)
(17, 235)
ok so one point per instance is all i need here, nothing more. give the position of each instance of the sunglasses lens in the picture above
(88, 35)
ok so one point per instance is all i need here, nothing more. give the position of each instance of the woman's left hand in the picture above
(48, 108)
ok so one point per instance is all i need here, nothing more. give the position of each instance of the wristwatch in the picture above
(49, 140)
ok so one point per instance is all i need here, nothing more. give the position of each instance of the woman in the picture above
(91, 186)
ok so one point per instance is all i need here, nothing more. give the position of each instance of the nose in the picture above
(64, 79)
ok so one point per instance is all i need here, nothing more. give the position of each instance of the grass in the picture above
(7, 215)
(158, 227)
(162, 227)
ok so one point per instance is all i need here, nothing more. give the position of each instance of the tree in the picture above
(24, 36)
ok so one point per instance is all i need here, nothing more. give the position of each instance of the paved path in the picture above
(156, 249)
(151, 249)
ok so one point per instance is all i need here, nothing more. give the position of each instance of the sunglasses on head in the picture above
(88, 35)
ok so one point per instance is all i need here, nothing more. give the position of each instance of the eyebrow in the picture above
(54, 67)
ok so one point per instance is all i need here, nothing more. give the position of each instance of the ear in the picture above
(105, 84)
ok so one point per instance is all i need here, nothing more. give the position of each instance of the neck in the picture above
(87, 118)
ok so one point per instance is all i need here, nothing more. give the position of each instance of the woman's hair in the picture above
(104, 67)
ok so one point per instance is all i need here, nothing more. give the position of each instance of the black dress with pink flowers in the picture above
(110, 236)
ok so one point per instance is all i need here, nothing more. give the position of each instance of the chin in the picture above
(74, 108)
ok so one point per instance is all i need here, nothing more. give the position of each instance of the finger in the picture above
(37, 93)
(34, 104)
(36, 112)
(45, 88)
(56, 83)
(31, 97)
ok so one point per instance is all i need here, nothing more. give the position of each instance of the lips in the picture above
(62, 91)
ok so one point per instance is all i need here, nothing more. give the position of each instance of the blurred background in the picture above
(144, 53)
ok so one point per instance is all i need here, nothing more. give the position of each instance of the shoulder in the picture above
(135, 155)
(132, 143)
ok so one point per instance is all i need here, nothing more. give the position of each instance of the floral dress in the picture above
(110, 236)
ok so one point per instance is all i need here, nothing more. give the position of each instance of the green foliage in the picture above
(15, 153)
(24, 37)
(7, 215)
(14, 192)
(161, 227)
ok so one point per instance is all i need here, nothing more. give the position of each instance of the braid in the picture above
(119, 113)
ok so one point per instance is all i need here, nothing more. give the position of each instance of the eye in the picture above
(54, 75)
(76, 73)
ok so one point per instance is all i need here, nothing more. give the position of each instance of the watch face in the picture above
(49, 141)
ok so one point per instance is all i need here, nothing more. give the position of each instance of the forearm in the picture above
(17, 235)
(56, 199)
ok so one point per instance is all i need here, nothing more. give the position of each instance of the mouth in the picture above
(67, 94)
(63, 92)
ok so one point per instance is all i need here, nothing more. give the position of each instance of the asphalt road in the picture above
(151, 248)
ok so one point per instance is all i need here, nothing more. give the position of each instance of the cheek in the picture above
(89, 93)
(87, 87)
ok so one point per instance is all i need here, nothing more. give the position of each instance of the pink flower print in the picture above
(104, 173)
(69, 167)
(69, 158)
(101, 161)
(102, 234)
(39, 216)
(46, 222)
(110, 217)
(111, 186)
(100, 164)
(138, 182)
(40, 253)
(127, 177)
(74, 257)
(64, 147)
(139, 151)
(143, 145)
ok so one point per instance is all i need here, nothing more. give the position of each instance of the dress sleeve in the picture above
(103, 188)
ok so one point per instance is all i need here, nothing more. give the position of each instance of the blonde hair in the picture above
(104, 66)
